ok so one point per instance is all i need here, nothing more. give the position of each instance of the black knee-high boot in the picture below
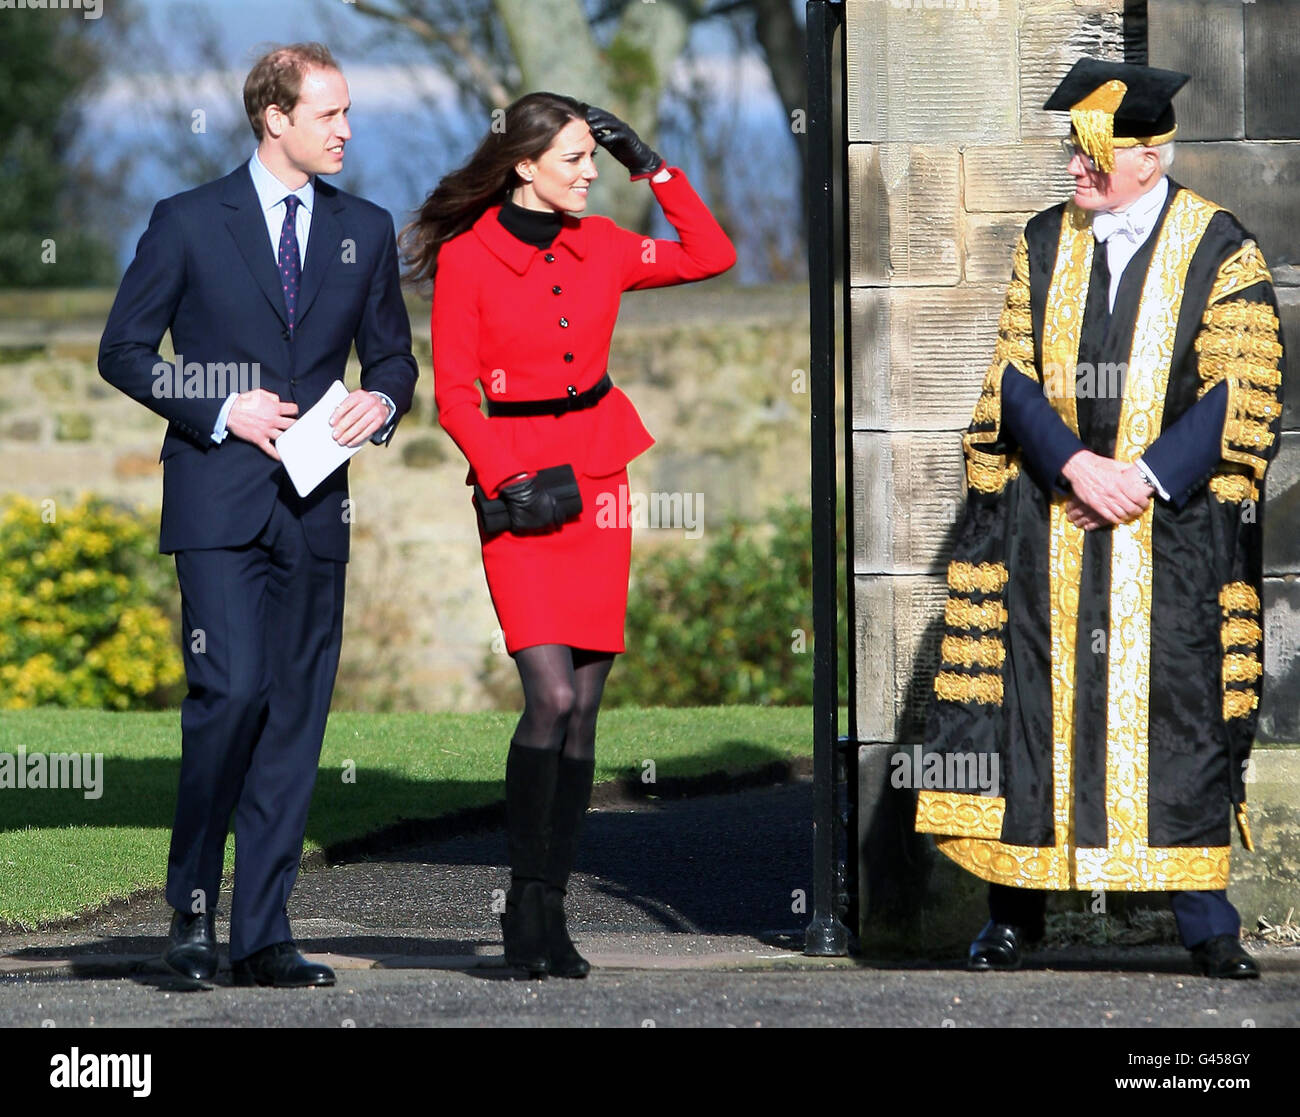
(572, 796)
(530, 794)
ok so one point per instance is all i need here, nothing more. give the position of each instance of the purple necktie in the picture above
(290, 265)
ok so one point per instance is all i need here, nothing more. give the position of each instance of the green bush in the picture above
(730, 622)
(85, 608)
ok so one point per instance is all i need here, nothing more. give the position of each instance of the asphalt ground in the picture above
(687, 909)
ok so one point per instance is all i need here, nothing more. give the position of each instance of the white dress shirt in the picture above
(1122, 233)
(271, 195)
(1125, 231)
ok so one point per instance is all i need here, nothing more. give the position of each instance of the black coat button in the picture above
(284, 334)
(557, 290)
(564, 322)
(568, 357)
(549, 257)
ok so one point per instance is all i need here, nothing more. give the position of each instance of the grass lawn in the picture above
(61, 853)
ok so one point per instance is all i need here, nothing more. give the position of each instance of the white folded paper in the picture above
(308, 449)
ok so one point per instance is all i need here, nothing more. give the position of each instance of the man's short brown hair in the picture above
(276, 79)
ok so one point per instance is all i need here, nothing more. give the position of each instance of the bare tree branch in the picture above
(480, 71)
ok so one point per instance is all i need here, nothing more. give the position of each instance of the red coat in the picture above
(527, 323)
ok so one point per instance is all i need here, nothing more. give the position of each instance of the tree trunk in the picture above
(555, 50)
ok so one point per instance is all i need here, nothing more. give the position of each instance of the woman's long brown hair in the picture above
(530, 127)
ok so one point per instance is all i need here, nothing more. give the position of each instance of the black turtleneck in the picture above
(532, 226)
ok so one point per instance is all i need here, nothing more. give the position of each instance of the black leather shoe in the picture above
(281, 965)
(564, 956)
(523, 928)
(192, 949)
(1224, 956)
(997, 947)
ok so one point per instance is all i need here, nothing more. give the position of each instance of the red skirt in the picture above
(567, 586)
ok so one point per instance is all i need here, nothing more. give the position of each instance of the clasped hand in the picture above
(260, 417)
(1106, 491)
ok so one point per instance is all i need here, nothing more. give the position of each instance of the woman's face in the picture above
(558, 179)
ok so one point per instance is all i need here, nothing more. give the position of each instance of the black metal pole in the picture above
(825, 935)
(848, 746)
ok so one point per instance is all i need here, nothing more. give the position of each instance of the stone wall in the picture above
(717, 374)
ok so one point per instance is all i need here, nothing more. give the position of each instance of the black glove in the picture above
(531, 507)
(622, 143)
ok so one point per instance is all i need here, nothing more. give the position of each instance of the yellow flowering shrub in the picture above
(86, 608)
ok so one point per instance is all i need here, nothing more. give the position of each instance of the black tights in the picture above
(562, 689)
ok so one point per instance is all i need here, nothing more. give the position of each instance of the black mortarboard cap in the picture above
(1113, 102)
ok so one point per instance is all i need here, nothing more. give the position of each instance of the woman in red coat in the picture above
(525, 297)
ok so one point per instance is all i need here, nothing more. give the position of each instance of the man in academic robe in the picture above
(1103, 632)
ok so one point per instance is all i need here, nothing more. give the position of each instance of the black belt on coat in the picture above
(560, 405)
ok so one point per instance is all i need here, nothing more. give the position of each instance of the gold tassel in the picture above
(1243, 827)
(1093, 119)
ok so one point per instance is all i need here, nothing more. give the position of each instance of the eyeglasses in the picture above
(1072, 149)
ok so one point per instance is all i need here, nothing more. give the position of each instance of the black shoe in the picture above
(1224, 956)
(281, 965)
(997, 947)
(523, 928)
(564, 956)
(192, 949)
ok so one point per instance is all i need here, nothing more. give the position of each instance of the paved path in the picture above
(683, 906)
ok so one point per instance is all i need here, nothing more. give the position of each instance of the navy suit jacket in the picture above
(205, 270)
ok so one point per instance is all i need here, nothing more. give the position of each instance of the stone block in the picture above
(1203, 38)
(912, 901)
(908, 489)
(1272, 53)
(919, 71)
(898, 630)
(988, 244)
(1267, 882)
(919, 355)
(1259, 182)
(903, 208)
(1288, 300)
(1279, 708)
(131, 467)
(73, 426)
(1282, 509)
(1017, 178)
(25, 428)
(1053, 34)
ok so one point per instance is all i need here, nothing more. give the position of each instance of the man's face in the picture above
(1136, 170)
(311, 138)
(564, 171)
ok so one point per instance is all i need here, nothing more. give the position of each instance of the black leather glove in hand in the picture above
(623, 143)
(530, 506)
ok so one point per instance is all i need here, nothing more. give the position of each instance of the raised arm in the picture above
(702, 248)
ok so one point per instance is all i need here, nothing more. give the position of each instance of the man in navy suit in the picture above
(266, 277)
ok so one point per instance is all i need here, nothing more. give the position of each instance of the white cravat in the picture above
(1123, 233)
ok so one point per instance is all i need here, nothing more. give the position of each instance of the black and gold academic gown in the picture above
(1115, 674)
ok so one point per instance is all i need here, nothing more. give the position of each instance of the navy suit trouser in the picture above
(1200, 915)
(262, 628)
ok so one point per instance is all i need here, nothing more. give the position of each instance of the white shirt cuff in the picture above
(1151, 478)
(381, 435)
(219, 432)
